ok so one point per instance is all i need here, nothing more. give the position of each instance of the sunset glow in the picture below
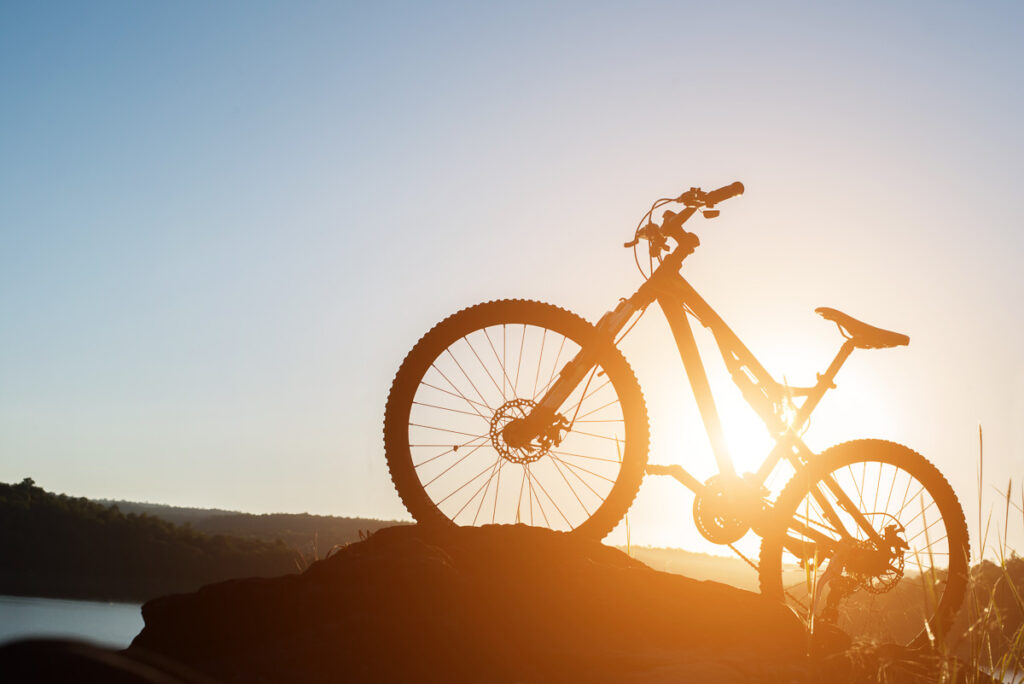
(222, 228)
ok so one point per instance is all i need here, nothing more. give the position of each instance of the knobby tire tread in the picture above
(875, 450)
(496, 312)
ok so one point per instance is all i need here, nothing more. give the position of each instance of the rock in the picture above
(64, 660)
(488, 604)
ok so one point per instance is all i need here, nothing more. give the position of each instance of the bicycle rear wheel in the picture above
(477, 371)
(899, 582)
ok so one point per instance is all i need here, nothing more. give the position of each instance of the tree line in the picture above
(60, 546)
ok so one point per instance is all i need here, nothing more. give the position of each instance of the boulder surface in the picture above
(486, 604)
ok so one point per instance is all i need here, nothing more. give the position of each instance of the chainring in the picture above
(711, 515)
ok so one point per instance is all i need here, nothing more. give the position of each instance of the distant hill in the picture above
(699, 566)
(312, 536)
(62, 546)
(134, 550)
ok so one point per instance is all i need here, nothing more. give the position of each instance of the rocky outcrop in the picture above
(490, 604)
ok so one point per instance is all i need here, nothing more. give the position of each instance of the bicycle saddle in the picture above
(863, 335)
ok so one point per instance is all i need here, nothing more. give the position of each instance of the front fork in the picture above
(545, 415)
(576, 371)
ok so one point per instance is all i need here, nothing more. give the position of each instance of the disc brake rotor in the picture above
(892, 551)
(517, 410)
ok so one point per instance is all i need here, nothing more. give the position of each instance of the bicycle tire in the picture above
(482, 324)
(928, 601)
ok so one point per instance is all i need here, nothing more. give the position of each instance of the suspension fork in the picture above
(576, 370)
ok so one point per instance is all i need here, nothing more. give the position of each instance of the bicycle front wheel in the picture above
(478, 371)
(871, 538)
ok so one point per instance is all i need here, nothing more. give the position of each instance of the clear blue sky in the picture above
(222, 227)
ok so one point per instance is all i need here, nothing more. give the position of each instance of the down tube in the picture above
(672, 306)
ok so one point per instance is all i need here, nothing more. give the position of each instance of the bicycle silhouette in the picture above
(518, 411)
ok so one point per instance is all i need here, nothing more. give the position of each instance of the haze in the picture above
(222, 227)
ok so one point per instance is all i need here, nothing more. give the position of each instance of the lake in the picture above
(107, 624)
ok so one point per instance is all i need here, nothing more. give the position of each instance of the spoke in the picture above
(604, 406)
(554, 367)
(540, 505)
(529, 495)
(452, 449)
(497, 488)
(470, 453)
(481, 488)
(591, 434)
(860, 494)
(449, 352)
(903, 503)
(892, 485)
(519, 363)
(457, 432)
(499, 465)
(926, 527)
(460, 488)
(553, 502)
(600, 498)
(606, 420)
(540, 357)
(577, 467)
(830, 515)
(446, 408)
(576, 411)
(501, 360)
(908, 501)
(822, 527)
(554, 374)
(592, 458)
(572, 489)
(519, 501)
(911, 521)
(480, 361)
(878, 486)
(472, 404)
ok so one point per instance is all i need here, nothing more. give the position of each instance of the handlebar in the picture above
(694, 200)
(723, 193)
(695, 197)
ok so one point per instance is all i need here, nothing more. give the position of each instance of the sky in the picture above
(222, 226)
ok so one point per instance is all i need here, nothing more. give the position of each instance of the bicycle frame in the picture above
(677, 298)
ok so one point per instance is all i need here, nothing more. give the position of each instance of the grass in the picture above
(305, 559)
(986, 641)
(993, 639)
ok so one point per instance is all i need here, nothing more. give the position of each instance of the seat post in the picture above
(826, 381)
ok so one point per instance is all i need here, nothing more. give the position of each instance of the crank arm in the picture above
(679, 473)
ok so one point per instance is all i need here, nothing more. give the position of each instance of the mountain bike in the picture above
(518, 411)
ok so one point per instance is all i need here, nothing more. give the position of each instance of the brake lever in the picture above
(694, 197)
(653, 234)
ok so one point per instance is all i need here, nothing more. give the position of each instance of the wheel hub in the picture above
(509, 432)
(879, 567)
(514, 433)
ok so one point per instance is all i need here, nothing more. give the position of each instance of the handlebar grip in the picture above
(723, 193)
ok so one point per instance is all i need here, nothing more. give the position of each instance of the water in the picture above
(107, 624)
